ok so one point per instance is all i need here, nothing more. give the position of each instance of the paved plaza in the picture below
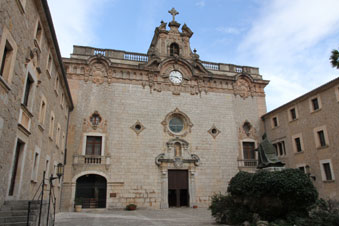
(168, 217)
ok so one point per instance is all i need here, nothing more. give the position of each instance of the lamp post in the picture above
(59, 174)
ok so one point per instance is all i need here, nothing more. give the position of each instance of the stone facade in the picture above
(305, 132)
(33, 87)
(126, 101)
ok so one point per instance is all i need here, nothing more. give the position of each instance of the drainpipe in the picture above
(65, 158)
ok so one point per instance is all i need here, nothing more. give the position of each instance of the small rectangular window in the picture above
(293, 114)
(38, 33)
(56, 86)
(35, 166)
(93, 145)
(51, 125)
(298, 144)
(47, 168)
(28, 89)
(49, 64)
(275, 121)
(327, 170)
(276, 148)
(302, 168)
(6, 59)
(42, 113)
(322, 140)
(57, 139)
(315, 104)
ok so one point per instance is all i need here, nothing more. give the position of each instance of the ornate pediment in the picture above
(243, 87)
(177, 153)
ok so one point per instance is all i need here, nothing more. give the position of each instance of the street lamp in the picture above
(59, 173)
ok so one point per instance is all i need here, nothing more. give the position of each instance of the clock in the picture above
(175, 77)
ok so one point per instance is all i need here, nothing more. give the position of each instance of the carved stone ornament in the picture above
(247, 130)
(187, 124)
(137, 127)
(178, 163)
(94, 122)
(214, 131)
(177, 154)
(242, 88)
(95, 119)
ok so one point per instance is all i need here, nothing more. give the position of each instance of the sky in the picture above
(289, 40)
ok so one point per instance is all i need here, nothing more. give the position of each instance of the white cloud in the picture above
(291, 41)
(200, 3)
(229, 30)
(74, 22)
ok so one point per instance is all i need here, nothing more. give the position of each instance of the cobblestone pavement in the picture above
(168, 217)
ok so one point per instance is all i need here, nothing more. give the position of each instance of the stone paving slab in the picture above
(168, 217)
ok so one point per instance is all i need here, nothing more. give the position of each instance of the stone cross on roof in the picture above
(173, 12)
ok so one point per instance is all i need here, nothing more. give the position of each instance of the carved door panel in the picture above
(178, 188)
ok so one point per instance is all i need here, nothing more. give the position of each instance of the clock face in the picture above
(175, 77)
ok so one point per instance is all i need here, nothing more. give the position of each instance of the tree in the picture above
(335, 58)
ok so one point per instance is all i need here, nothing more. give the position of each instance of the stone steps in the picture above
(14, 213)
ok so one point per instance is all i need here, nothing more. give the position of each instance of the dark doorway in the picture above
(91, 191)
(15, 177)
(178, 188)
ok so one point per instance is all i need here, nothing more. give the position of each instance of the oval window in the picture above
(176, 124)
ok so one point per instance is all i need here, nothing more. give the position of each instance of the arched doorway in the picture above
(91, 190)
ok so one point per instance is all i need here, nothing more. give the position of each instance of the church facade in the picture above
(159, 129)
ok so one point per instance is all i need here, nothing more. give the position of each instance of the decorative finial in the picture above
(173, 12)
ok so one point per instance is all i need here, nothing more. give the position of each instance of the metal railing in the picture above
(40, 197)
(211, 66)
(135, 57)
(250, 163)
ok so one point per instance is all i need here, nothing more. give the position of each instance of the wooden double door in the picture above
(178, 194)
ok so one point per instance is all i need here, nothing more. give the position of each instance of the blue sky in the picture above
(289, 40)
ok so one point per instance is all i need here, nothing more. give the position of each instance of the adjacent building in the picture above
(35, 100)
(305, 134)
(161, 128)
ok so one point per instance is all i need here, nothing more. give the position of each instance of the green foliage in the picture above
(274, 194)
(225, 210)
(335, 58)
(78, 201)
(131, 207)
(324, 213)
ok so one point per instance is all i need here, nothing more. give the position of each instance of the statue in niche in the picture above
(177, 149)
(267, 155)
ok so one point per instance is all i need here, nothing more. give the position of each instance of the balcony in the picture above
(91, 161)
(248, 165)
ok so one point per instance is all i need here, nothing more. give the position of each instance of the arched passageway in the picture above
(91, 191)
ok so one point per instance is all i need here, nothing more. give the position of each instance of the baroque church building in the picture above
(160, 129)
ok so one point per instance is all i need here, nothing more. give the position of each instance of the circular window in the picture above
(214, 131)
(137, 127)
(176, 124)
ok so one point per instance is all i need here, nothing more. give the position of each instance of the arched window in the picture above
(174, 49)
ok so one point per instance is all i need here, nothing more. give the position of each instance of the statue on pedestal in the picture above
(267, 156)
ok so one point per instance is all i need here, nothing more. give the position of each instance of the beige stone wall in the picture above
(132, 173)
(17, 122)
(304, 125)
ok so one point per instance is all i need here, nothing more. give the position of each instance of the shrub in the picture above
(225, 210)
(274, 195)
(324, 213)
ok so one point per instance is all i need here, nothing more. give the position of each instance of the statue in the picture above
(267, 155)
